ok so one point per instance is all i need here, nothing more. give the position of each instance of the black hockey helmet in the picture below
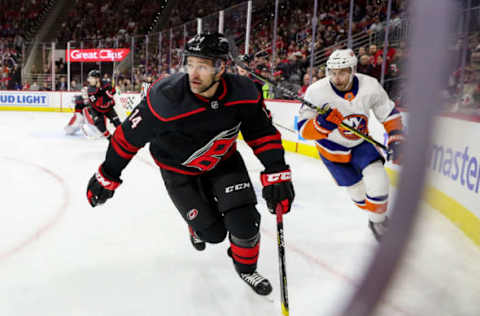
(94, 73)
(212, 45)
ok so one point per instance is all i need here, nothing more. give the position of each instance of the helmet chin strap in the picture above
(211, 85)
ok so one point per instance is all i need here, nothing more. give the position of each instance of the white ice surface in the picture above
(60, 257)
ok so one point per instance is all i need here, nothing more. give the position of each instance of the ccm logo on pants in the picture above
(237, 187)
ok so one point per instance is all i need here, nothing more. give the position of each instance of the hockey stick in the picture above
(281, 261)
(293, 95)
(285, 128)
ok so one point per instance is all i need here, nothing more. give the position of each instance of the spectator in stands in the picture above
(376, 68)
(297, 64)
(46, 86)
(34, 86)
(390, 54)
(15, 78)
(364, 66)
(74, 86)
(283, 66)
(26, 86)
(362, 51)
(372, 50)
(303, 88)
(267, 89)
(321, 72)
(62, 84)
(4, 80)
(376, 26)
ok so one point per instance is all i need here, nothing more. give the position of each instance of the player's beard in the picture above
(197, 85)
(344, 87)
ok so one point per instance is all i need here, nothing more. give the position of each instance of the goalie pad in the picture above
(75, 124)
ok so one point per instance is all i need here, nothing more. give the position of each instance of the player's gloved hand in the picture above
(278, 188)
(395, 146)
(329, 120)
(101, 187)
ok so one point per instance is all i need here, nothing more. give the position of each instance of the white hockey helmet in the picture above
(342, 58)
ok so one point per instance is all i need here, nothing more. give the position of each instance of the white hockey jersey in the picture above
(355, 105)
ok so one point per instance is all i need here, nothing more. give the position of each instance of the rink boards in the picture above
(454, 167)
(48, 101)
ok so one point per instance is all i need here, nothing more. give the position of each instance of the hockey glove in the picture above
(395, 146)
(101, 187)
(329, 120)
(278, 189)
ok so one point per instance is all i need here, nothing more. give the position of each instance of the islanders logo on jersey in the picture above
(358, 122)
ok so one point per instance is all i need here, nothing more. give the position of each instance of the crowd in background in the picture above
(463, 88)
(293, 38)
(113, 22)
(9, 65)
(291, 66)
(18, 16)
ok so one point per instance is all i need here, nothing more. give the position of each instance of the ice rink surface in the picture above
(132, 256)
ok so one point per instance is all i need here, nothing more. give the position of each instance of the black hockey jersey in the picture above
(101, 98)
(190, 134)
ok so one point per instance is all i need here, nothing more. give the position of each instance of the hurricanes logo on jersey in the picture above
(192, 214)
(207, 157)
(358, 122)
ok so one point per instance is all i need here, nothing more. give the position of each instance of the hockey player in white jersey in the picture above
(354, 163)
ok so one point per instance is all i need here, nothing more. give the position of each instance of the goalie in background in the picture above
(77, 120)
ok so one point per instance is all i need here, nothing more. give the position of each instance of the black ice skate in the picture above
(378, 229)
(197, 243)
(257, 282)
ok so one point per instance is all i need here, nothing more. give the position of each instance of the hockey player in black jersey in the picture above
(100, 103)
(192, 121)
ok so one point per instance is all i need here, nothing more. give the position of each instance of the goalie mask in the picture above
(341, 59)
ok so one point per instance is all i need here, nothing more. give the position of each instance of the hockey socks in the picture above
(245, 262)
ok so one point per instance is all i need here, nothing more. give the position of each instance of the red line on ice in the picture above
(46, 227)
(349, 280)
(331, 270)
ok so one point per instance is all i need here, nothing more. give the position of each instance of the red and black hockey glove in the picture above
(101, 187)
(278, 189)
(329, 120)
(395, 146)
